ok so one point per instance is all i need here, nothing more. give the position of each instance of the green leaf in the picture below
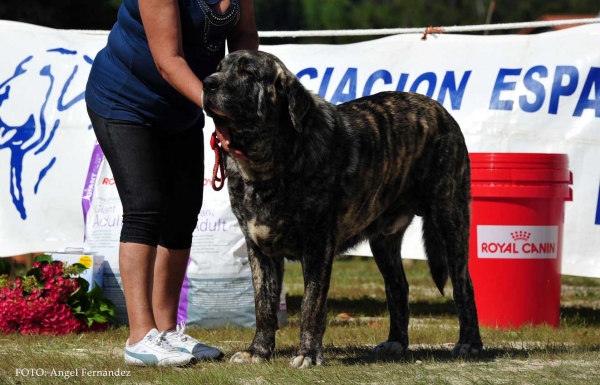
(86, 305)
(80, 268)
(104, 306)
(96, 293)
(76, 295)
(100, 318)
(92, 306)
(82, 303)
(43, 258)
(108, 308)
(83, 285)
(36, 272)
(5, 267)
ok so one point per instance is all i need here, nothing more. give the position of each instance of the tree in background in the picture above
(365, 14)
(279, 15)
(62, 14)
(313, 14)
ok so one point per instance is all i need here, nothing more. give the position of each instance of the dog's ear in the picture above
(298, 102)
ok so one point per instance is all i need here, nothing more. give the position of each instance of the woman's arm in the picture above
(163, 30)
(244, 35)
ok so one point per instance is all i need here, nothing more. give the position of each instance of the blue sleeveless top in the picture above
(124, 82)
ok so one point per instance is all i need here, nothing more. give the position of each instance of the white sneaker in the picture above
(179, 340)
(154, 349)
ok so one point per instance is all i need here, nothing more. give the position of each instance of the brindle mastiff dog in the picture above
(320, 178)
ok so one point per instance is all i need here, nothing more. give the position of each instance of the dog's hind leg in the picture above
(267, 277)
(316, 267)
(386, 252)
(446, 235)
(446, 226)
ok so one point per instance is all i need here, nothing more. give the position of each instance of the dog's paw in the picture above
(390, 348)
(467, 350)
(246, 357)
(304, 362)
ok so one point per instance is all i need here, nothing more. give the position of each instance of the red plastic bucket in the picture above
(517, 219)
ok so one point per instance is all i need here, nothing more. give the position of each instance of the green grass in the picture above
(357, 322)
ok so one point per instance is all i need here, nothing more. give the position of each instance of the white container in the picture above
(93, 262)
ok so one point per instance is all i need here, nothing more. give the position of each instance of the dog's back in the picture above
(408, 151)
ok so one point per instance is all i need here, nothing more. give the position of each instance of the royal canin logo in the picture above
(515, 242)
(520, 235)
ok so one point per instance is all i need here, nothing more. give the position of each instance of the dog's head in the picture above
(261, 102)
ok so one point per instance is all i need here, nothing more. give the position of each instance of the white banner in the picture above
(509, 93)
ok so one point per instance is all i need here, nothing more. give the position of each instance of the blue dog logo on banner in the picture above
(32, 101)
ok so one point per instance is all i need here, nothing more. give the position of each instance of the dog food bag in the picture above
(218, 286)
(217, 289)
(102, 214)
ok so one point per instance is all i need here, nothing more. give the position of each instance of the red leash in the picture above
(214, 144)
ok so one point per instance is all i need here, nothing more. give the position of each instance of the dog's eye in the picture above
(246, 72)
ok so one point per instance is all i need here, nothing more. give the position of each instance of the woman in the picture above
(144, 98)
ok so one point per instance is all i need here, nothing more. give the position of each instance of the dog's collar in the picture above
(217, 181)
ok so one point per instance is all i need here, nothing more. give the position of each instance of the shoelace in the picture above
(180, 332)
(161, 341)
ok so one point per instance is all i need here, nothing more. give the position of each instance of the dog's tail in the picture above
(447, 217)
(439, 273)
(438, 266)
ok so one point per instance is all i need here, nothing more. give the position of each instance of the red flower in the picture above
(49, 270)
(43, 310)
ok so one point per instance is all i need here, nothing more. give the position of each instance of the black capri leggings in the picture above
(159, 179)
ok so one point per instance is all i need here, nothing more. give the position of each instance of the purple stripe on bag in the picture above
(183, 297)
(90, 182)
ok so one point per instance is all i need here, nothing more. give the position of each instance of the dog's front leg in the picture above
(316, 267)
(267, 277)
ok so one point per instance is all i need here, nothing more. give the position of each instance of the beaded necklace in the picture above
(213, 19)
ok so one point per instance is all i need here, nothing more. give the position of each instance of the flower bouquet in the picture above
(51, 299)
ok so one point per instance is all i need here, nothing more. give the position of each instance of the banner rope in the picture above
(396, 31)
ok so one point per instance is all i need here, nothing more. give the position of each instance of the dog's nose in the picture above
(210, 83)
